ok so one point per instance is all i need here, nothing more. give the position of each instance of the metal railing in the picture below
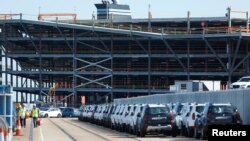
(161, 30)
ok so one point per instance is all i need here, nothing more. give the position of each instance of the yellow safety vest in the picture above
(21, 112)
(35, 112)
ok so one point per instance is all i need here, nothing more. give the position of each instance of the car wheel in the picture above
(46, 115)
(174, 131)
(59, 115)
(167, 133)
(190, 132)
(196, 134)
(137, 132)
(142, 133)
(183, 130)
(203, 134)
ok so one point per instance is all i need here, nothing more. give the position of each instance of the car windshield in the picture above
(244, 80)
(220, 109)
(199, 109)
(44, 108)
(157, 110)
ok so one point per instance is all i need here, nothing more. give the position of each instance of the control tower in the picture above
(114, 10)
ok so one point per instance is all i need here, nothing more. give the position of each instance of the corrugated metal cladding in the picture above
(239, 98)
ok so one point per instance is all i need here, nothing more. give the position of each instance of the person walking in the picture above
(35, 115)
(22, 112)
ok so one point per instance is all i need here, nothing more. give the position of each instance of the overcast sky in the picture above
(139, 8)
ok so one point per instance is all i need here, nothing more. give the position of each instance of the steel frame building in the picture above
(123, 58)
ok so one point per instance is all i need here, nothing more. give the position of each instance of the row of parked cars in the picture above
(58, 112)
(189, 119)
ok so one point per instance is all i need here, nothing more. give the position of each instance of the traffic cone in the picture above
(18, 130)
(6, 135)
(1, 134)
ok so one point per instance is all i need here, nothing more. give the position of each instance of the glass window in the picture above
(199, 109)
(220, 109)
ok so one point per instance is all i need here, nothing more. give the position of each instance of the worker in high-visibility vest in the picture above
(21, 113)
(35, 115)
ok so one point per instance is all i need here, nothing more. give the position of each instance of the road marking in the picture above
(41, 132)
(86, 130)
(31, 131)
(70, 136)
(106, 129)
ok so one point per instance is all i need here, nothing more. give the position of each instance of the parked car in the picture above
(215, 114)
(178, 111)
(70, 112)
(50, 112)
(190, 116)
(137, 108)
(242, 83)
(155, 118)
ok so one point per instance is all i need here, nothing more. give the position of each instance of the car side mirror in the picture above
(139, 115)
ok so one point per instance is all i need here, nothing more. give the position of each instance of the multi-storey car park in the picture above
(117, 58)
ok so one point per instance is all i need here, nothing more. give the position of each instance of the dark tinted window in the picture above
(157, 110)
(199, 109)
(244, 80)
(220, 109)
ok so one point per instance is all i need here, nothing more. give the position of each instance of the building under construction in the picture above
(103, 59)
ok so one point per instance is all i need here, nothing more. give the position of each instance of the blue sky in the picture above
(139, 8)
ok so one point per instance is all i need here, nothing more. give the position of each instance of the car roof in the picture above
(245, 77)
(156, 105)
(222, 104)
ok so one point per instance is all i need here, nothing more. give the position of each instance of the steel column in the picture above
(74, 68)
(229, 64)
(149, 66)
(112, 68)
(188, 57)
(40, 66)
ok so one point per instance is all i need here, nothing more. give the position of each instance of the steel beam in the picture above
(216, 55)
(92, 46)
(176, 56)
(140, 45)
(246, 57)
(93, 64)
(93, 81)
(27, 33)
(236, 52)
(99, 38)
(65, 39)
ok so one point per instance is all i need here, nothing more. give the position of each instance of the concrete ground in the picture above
(70, 129)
